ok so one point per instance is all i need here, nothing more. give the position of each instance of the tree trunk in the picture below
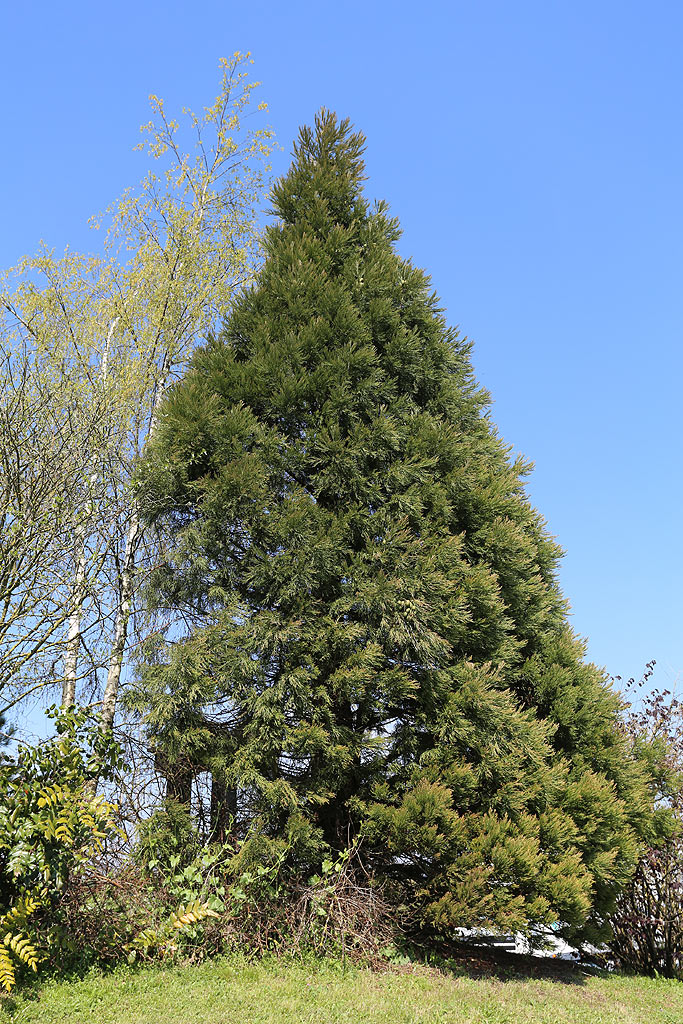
(111, 690)
(223, 807)
(177, 778)
(74, 635)
(123, 611)
(73, 641)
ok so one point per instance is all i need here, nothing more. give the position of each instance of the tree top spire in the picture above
(327, 173)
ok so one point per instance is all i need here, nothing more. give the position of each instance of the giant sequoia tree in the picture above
(377, 643)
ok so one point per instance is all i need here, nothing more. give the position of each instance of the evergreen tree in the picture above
(377, 641)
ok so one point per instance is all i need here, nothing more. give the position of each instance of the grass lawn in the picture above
(234, 992)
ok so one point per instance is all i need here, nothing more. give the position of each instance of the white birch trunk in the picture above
(73, 640)
(123, 611)
(126, 584)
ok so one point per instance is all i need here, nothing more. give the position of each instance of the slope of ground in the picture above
(236, 992)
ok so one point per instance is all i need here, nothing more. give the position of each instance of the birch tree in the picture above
(40, 513)
(112, 331)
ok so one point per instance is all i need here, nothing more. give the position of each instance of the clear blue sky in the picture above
(533, 153)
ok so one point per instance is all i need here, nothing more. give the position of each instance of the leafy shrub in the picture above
(153, 904)
(338, 911)
(647, 924)
(50, 817)
(51, 822)
(166, 840)
(224, 900)
(257, 896)
(16, 941)
(162, 941)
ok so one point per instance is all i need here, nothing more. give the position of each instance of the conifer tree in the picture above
(377, 643)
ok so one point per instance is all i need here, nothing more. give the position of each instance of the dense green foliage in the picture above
(50, 817)
(51, 822)
(376, 641)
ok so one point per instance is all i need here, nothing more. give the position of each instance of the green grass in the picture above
(234, 992)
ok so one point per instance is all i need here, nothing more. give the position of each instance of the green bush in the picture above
(166, 840)
(51, 823)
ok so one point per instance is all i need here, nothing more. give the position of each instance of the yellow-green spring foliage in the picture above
(161, 941)
(51, 821)
(378, 643)
(73, 817)
(50, 817)
(15, 943)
